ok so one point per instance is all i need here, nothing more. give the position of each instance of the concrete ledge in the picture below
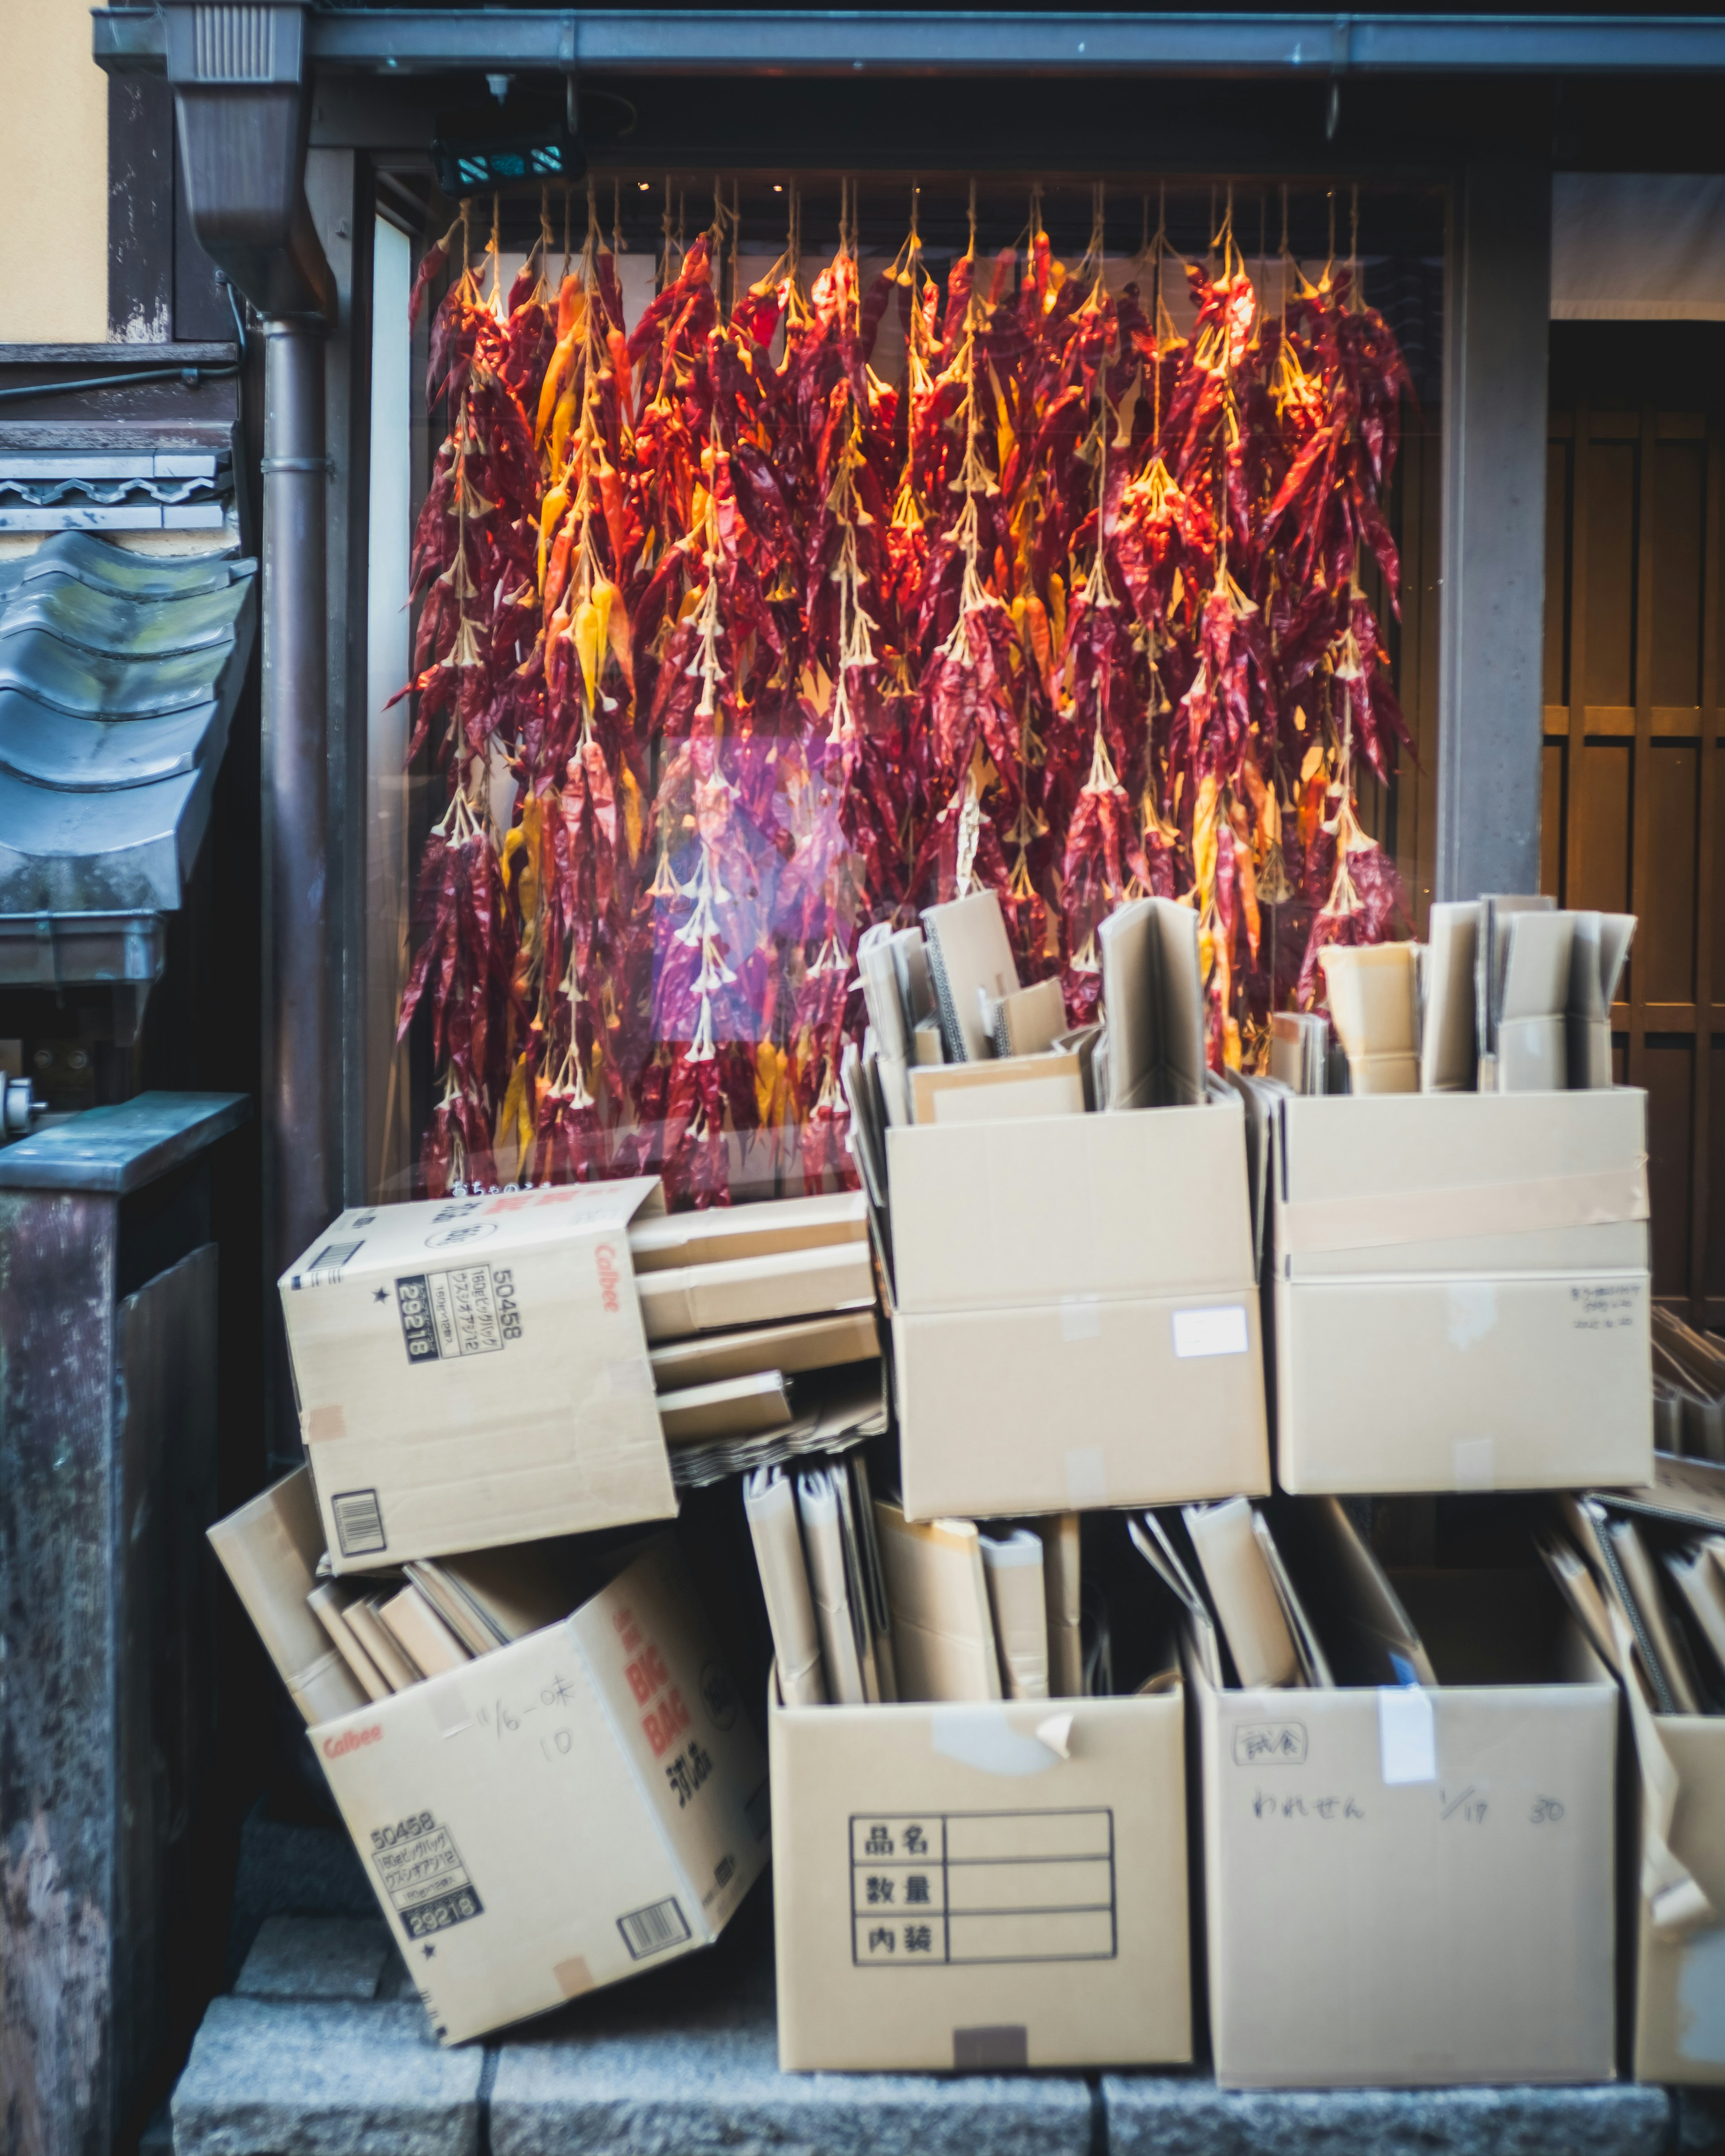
(312, 2078)
(1150, 2115)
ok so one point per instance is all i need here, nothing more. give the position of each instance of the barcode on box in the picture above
(650, 1930)
(359, 1522)
(324, 1270)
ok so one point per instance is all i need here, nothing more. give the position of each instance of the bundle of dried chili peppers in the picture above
(730, 647)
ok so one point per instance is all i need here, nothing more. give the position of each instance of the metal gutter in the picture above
(646, 41)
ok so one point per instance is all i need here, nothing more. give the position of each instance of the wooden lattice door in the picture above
(1633, 809)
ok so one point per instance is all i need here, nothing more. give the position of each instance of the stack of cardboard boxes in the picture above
(1031, 1595)
(516, 1697)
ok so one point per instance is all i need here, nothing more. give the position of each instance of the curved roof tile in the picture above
(118, 674)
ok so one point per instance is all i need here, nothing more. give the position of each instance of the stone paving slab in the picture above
(714, 2084)
(683, 2061)
(1701, 2118)
(317, 1958)
(312, 2077)
(1156, 2115)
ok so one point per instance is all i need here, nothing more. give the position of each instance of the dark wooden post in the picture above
(108, 1313)
(1490, 715)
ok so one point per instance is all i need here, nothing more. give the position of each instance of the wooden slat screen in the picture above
(1632, 806)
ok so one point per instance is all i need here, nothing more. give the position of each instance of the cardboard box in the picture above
(560, 1813)
(1461, 1293)
(1410, 1886)
(1676, 1845)
(474, 1371)
(952, 1889)
(1680, 1948)
(1075, 1319)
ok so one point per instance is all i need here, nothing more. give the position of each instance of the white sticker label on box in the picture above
(1407, 1735)
(1701, 1998)
(1473, 1459)
(1221, 1332)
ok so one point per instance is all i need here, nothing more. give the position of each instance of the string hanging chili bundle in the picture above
(729, 646)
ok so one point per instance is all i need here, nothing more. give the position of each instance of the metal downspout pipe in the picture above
(301, 1083)
(240, 77)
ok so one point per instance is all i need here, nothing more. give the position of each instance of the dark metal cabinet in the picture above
(108, 1460)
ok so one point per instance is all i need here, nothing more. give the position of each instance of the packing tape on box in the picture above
(1472, 1464)
(982, 1737)
(1081, 1317)
(449, 1710)
(1086, 1478)
(573, 1976)
(1596, 1199)
(1407, 1735)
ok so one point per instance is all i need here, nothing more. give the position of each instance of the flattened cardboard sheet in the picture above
(799, 1344)
(720, 1298)
(1000, 1091)
(723, 1233)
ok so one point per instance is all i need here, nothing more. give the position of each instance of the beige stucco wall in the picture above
(53, 177)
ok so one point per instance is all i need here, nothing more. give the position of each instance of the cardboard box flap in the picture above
(1687, 1492)
(1676, 1902)
(1260, 1098)
(270, 1550)
(1367, 1635)
(1012, 1214)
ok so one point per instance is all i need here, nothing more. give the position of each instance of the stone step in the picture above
(323, 2049)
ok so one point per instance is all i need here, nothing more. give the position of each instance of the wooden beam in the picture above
(1491, 708)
